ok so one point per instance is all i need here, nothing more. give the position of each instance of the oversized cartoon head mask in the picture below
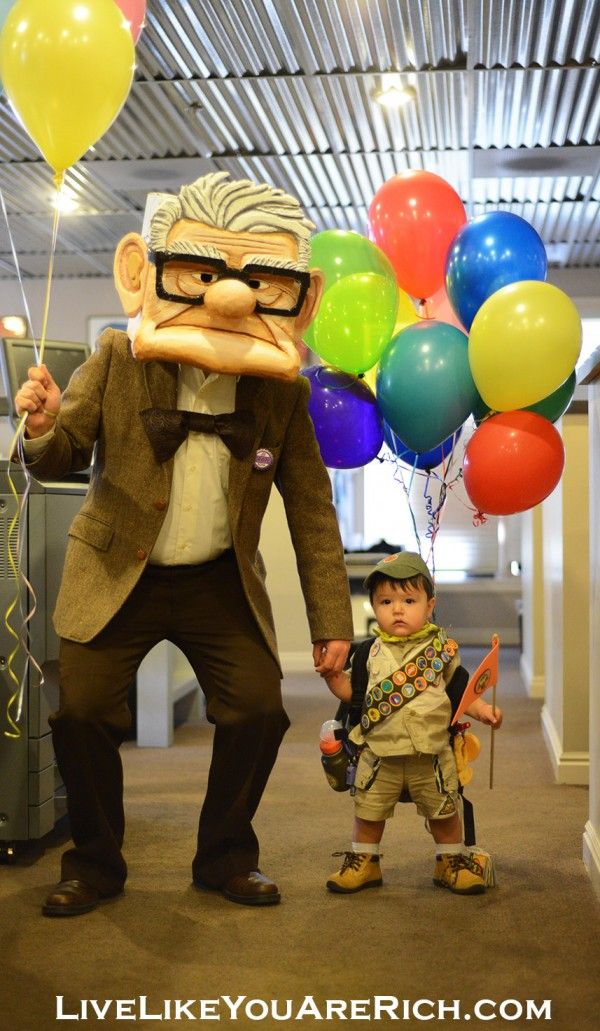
(222, 281)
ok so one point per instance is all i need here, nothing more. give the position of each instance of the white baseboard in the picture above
(591, 854)
(569, 767)
(536, 685)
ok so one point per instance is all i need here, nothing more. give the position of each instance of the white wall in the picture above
(565, 716)
(72, 302)
(591, 838)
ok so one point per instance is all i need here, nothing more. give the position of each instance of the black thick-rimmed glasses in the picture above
(185, 278)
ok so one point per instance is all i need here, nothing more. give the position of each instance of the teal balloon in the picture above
(425, 389)
(556, 404)
(356, 321)
(340, 253)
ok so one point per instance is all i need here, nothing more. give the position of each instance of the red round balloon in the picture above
(413, 218)
(512, 462)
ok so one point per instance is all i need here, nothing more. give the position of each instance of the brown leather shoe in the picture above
(251, 889)
(70, 898)
(248, 889)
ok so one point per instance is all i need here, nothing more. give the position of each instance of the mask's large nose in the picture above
(231, 298)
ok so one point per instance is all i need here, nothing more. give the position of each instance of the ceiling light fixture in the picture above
(65, 201)
(395, 96)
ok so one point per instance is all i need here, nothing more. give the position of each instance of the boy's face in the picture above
(400, 608)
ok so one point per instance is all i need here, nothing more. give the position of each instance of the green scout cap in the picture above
(401, 566)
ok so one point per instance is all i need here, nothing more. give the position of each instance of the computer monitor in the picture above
(17, 356)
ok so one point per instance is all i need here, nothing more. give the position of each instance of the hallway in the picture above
(534, 937)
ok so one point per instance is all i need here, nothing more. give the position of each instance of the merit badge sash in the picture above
(407, 682)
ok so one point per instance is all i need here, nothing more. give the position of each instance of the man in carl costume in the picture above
(186, 427)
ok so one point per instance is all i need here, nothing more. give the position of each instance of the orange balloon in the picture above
(512, 462)
(413, 218)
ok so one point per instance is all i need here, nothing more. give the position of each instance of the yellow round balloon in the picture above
(66, 67)
(406, 313)
(370, 377)
(524, 342)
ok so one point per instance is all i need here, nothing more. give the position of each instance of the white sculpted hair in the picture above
(235, 204)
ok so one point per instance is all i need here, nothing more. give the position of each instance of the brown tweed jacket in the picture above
(112, 536)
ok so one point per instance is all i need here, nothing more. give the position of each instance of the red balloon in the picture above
(135, 12)
(512, 462)
(413, 218)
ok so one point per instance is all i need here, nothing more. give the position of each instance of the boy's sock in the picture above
(368, 848)
(451, 849)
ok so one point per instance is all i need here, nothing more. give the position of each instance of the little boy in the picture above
(403, 732)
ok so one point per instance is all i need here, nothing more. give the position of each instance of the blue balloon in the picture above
(348, 425)
(488, 253)
(420, 459)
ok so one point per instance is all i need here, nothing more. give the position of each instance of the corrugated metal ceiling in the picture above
(507, 109)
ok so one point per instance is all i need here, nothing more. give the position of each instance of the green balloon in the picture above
(340, 253)
(356, 321)
(555, 404)
(550, 407)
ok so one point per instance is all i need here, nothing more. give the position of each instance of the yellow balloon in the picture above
(370, 378)
(406, 314)
(524, 342)
(66, 67)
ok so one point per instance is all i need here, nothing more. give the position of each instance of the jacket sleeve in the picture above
(306, 491)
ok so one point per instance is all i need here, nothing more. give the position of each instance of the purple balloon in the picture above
(344, 412)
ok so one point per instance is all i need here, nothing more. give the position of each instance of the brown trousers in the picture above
(203, 611)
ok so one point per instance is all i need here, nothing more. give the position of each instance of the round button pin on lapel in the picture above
(263, 459)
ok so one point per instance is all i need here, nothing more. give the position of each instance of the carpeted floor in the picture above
(534, 937)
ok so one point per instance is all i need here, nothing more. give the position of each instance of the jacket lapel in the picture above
(253, 395)
(160, 385)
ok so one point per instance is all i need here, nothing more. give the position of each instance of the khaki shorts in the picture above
(430, 780)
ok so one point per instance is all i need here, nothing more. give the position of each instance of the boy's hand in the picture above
(40, 397)
(339, 685)
(330, 656)
(485, 713)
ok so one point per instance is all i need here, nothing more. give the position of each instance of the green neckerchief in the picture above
(425, 631)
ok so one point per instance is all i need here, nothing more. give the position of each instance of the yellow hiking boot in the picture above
(357, 871)
(460, 873)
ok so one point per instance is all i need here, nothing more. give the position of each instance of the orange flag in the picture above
(486, 675)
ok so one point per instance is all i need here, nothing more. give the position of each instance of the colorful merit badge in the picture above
(407, 682)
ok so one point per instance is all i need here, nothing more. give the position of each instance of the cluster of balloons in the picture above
(67, 68)
(434, 319)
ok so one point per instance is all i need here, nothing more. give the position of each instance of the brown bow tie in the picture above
(167, 429)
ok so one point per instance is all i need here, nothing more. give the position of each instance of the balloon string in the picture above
(19, 518)
(17, 266)
(59, 180)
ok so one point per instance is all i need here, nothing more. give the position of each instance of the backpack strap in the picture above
(359, 679)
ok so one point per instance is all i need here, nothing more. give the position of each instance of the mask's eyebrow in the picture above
(272, 261)
(202, 250)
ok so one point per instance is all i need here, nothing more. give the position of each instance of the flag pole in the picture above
(493, 738)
